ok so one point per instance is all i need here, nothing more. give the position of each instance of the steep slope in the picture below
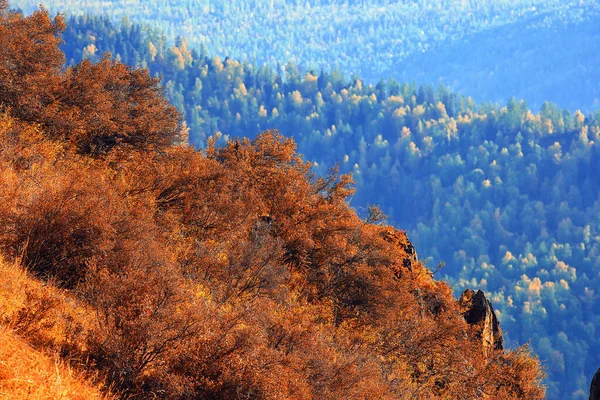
(28, 374)
(37, 323)
(595, 387)
(232, 273)
(512, 193)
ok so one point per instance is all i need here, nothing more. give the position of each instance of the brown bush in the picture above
(142, 317)
(30, 62)
(93, 107)
(109, 105)
(58, 220)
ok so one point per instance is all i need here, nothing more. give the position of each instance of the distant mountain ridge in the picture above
(461, 42)
(536, 60)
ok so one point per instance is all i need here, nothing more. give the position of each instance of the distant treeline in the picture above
(537, 50)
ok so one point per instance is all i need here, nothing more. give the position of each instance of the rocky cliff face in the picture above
(409, 258)
(478, 311)
(595, 387)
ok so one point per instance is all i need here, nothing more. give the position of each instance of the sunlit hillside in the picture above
(504, 195)
(139, 267)
(36, 321)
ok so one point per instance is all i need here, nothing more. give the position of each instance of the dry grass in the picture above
(39, 312)
(29, 374)
(37, 321)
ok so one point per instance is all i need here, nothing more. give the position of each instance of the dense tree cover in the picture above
(507, 198)
(233, 273)
(426, 40)
(538, 62)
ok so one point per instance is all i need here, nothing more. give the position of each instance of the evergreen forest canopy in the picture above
(507, 198)
(538, 50)
(235, 273)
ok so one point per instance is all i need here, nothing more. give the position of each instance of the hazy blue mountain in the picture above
(536, 60)
(490, 49)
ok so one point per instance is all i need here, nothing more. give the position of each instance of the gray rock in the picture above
(478, 311)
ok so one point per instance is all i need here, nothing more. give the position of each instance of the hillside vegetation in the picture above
(34, 320)
(491, 49)
(507, 198)
(28, 374)
(162, 271)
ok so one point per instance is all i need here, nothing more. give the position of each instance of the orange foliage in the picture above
(230, 274)
(29, 374)
(94, 107)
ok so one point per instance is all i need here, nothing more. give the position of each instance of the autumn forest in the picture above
(179, 225)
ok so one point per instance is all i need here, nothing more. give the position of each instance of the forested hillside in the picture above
(491, 49)
(536, 60)
(508, 199)
(148, 269)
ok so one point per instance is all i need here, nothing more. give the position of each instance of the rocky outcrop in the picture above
(399, 239)
(479, 312)
(595, 387)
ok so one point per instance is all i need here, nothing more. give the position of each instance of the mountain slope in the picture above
(36, 322)
(536, 60)
(505, 197)
(28, 374)
(232, 273)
